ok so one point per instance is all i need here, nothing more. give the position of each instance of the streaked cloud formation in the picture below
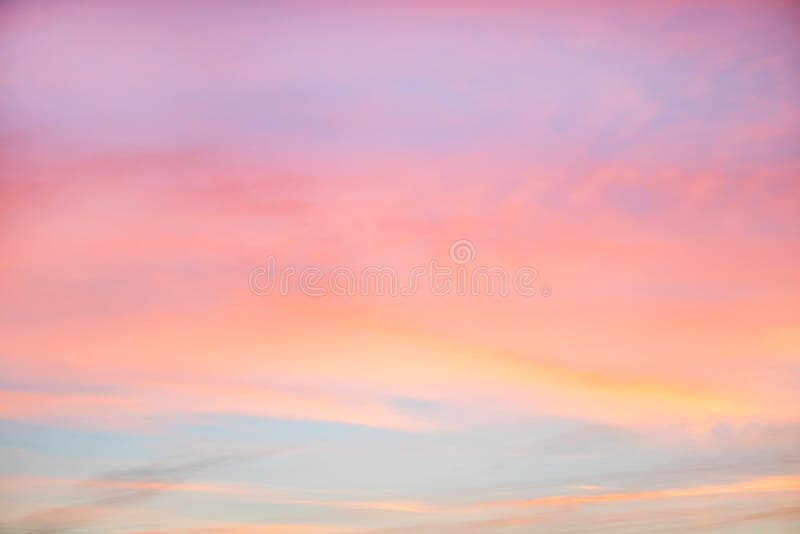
(643, 158)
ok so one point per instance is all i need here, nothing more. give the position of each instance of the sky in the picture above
(164, 164)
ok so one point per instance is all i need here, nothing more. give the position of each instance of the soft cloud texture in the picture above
(644, 159)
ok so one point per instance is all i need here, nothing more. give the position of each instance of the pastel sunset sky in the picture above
(641, 159)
